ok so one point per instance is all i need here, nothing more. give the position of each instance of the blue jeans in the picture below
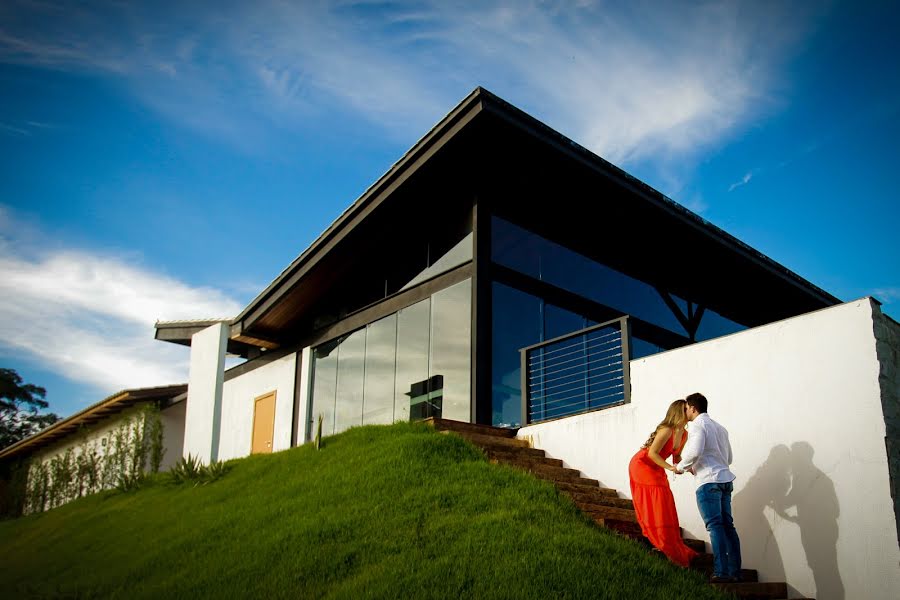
(714, 501)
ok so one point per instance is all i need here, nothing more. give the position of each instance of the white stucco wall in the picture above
(801, 401)
(92, 435)
(98, 439)
(203, 414)
(172, 419)
(237, 406)
(302, 417)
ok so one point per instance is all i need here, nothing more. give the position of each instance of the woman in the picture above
(653, 501)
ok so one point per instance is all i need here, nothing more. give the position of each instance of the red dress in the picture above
(655, 506)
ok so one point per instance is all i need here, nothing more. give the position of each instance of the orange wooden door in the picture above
(263, 424)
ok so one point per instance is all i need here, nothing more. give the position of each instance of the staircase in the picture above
(603, 505)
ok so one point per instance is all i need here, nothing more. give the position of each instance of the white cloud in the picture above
(741, 182)
(89, 316)
(631, 82)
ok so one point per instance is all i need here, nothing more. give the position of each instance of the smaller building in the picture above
(103, 446)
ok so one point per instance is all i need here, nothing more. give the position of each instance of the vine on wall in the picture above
(120, 459)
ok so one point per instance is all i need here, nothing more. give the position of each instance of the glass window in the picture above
(324, 386)
(412, 357)
(451, 341)
(516, 323)
(380, 367)
(457, 255)
(350, 376)
(713, 325)
(519, 249)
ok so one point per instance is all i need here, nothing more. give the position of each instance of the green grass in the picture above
(379, 512)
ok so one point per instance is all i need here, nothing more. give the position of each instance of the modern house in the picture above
(499, 273)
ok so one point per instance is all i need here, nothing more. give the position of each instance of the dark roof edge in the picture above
(470, 102)
(483, 99)
(149, 393)
(516, 115)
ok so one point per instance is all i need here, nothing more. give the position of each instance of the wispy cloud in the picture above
(741, 182)
(632, 82)
(13, 130)
(90, 315)
(887, 294)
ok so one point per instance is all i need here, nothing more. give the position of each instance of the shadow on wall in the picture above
(769, 484)
(799, 492)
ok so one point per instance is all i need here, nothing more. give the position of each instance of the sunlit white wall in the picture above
(801, 401)
(238, 397)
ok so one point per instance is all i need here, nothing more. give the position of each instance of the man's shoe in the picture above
(722, 579)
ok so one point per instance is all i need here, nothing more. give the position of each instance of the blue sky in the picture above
(163, 162)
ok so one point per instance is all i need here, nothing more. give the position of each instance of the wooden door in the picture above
(263, 423)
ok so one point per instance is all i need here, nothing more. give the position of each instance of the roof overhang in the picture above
(512, 159)
(180, 332)
(102, 410)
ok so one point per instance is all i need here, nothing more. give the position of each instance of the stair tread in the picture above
(755, 590)
(480, 439)
(510, 457)
(451, 425)
(580, 488)
(603, 505)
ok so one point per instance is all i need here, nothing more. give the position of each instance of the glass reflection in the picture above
(413, 335)
(324, 386)
(519, 249)
(516, 323)
(349, 397)
(412, 364)
(459, 254)
(378, 396)
(451, 340)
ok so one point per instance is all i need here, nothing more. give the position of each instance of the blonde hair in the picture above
(674, 418)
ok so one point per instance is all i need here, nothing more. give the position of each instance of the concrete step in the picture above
(632, 530)
(461, 426)
(754, 590)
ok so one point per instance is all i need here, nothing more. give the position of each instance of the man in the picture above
(707, 455)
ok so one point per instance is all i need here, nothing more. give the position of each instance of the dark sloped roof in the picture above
(496, 144)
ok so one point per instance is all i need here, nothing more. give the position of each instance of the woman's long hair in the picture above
(674, 418)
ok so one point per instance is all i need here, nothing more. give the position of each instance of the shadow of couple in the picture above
(790, 486)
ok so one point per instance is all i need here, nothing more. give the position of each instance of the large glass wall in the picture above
(521, 319)
(528, 253)
(412, 364)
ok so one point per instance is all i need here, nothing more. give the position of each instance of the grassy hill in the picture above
(378, 512)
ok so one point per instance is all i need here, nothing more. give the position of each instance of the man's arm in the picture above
(691, 451)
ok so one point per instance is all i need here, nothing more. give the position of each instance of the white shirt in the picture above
(708, 451)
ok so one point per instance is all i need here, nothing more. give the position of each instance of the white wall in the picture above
(801, 401)
(203, 415)
(172, 419)
(98, 438)
(302, 417)
(92, 435)
(237, 406)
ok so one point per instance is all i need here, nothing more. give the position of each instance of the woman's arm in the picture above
(662, 436)
(676, 452)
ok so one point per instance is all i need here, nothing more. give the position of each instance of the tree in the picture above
(19, 408)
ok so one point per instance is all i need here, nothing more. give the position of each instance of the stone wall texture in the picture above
(887, 347)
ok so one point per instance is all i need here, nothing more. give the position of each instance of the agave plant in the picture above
(187, 469)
